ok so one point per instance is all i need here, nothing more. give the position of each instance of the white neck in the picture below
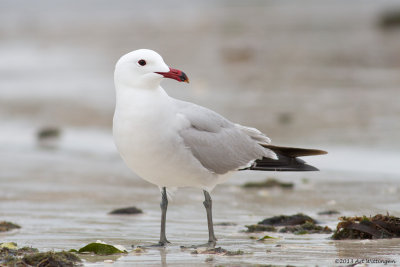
(138, 98)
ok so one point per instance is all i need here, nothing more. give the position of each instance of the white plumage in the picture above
(172, 143)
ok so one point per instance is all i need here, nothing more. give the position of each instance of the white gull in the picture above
(173, 143)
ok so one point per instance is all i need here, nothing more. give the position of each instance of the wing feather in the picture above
(217, 143)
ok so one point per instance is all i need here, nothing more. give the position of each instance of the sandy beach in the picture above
(322, 75)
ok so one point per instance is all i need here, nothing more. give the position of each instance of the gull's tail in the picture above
(287, 159)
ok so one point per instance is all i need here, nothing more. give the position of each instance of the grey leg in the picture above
(164, 204)
(212, 240)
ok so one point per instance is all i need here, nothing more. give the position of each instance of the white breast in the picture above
(146, 134)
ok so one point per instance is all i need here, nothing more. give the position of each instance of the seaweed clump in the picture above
(11, 255)
(51, 258)
(284, 220)
(297, 224)
(377, 227)
(306, 228)
(7, 226)
(269, 183)
(218, 251)
(260, 228)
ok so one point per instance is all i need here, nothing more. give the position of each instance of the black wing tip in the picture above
(310, 168)
(288, 160)
(299, 168)
(284, 163)
(295, 151)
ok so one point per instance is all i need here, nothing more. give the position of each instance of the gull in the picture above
(172, 143)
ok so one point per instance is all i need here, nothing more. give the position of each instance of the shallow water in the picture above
(61, 198)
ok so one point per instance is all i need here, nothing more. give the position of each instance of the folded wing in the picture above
(222, 146)
(217, 143)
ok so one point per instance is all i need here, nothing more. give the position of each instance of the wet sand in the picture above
(62, 197)
(323, 75)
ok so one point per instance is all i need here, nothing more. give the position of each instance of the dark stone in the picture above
(126, 211)
(225, 224)
(328, 212)
(284, 220)
(48, 132)
(390, 20)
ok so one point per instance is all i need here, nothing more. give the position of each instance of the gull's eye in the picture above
(142, 62)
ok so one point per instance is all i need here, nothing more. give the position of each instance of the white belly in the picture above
(153, 150)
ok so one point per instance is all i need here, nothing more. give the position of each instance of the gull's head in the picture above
(144, 69)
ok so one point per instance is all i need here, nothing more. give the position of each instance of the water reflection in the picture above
(367, 249)
(163, 257)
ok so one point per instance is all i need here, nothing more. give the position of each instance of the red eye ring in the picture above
(142, 62)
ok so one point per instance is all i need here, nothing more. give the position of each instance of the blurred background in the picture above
(324, 74)
(321, 72)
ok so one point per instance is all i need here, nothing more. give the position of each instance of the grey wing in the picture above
(217, 143)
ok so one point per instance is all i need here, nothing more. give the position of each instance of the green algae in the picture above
(100, 249)
(269, 183)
